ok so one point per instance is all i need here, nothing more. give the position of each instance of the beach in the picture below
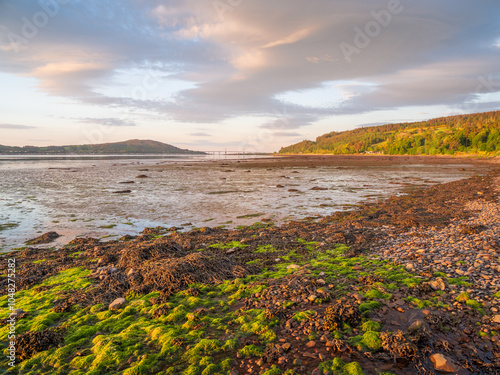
(401, 284)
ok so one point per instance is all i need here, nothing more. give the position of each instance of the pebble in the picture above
(312, 297)
(311, 344)
(117, 303)
(453, 252)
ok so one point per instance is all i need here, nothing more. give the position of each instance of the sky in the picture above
(249, 75)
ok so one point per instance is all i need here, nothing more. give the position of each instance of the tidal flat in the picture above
(402, 285)
(112, 197)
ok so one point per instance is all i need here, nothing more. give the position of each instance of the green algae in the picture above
(199, 334)
(339, 367)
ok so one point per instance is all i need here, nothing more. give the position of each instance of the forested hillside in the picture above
(477, 133)
(134, 146)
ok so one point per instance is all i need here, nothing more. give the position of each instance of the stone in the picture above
(293, 267)
(312, 297)
(286, 346)
(309, 355)
(231, 250)
(496, 319)
(18, 314)
(437, 284)
(443, 363)
(321, 282)
(311, 344)
(416, 325)
(117, 303)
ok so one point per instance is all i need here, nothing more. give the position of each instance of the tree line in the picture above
(477, 133)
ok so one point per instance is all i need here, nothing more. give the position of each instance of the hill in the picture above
(477, 133)
(134, 146)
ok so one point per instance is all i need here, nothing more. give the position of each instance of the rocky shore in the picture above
(408, 285)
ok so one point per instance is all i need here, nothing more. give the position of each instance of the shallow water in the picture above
(75, 197)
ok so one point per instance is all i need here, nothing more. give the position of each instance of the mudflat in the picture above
(406, 285)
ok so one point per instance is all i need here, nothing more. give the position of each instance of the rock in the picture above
(44, 238)
(437, 284)
(496, 319)
(443, 363)
(400, 302)
(416, 325)
(117, 303)
(293, 267)
(231, 250)
(312, 297)
(321, 282)
(311, 344)
(127, 182)
(286, 346)
(309, 355)
(18, 314)
(277, 260)
(142, 176)
(122, 192)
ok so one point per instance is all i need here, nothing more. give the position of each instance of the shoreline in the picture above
(358, 286)
(283, 182)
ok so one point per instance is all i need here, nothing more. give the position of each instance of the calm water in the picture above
(75, 196)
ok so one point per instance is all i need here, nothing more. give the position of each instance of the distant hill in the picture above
(134, 146)
(477, 133)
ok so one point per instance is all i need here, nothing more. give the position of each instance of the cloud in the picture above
(431, 53)
(107, 121)
(14, 126)
(200, 134)
(287, 134)
(287, 121)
